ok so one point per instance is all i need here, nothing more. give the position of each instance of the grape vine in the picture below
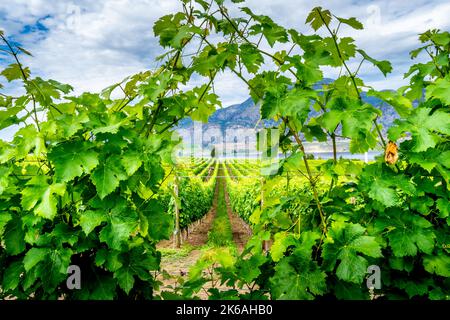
(81, 181)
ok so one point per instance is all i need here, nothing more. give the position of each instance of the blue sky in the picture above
(92, 44)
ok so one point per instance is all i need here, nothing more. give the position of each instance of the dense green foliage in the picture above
(80, 180)
(245, 194)
(195, 196)
(202, 169)
(248, 189)
(348, 216)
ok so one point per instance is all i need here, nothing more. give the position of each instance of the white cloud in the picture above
(391, 29)
(92, 44)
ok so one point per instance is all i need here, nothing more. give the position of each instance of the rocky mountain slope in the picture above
(247, 115)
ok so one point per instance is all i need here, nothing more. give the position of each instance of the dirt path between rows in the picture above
(197, 237)
(241, 230)
(177, 262)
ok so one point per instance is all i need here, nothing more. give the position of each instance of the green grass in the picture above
(176, 253)
(221, 233)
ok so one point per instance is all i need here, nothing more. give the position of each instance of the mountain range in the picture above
(247, 115)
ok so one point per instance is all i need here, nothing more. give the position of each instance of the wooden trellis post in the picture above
(265, 242)
(287, 181)
(177, 238)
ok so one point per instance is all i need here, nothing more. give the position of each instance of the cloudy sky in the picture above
(92, 44)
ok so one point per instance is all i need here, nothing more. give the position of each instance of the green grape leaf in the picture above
(352, 267)
(184, 33)
(107, 176)
(251, 57)
(427, 160)
(111, 259)
(380, 190)
(384, 66)
(443, 206)
(106, 123)
(40, 195)
(318, 18)
(125, 279)
(314, 131)
(159, 222)
(439, 265)
(69, 124)
(166, 28)
(155, 85)
(4, 219)
(14, 72)
(53, 269)
(14, 236)
(90, 219)
(141, 261)
(423, 127)
(385, 186)
(72, 159)
(440, 89)
(401, 264)
(356, 121)
(290, 283)
(11, 276)
(249, 269)
(131, 161)
(308, 71)
(9, 117)
(444, 158)
(282, 240)
(34, 256)
(352, 22)
(122, 221)
(45, 91)
(294, 104)
(206, 103)
(63, 233)
(26, 140)
(105, 289)
(418, 287)
(64, 88)
(345, 246)
(219, 256)
(298, 276)
(347, 50)
(407, 233)
(28, 53)
(266, 26)
(401, 104)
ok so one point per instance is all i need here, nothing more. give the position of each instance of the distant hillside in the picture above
(247, 115)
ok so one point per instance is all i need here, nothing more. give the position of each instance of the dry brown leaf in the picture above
(391, 153)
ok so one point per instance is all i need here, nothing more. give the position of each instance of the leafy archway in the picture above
(80, 180)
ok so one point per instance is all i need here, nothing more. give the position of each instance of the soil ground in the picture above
(177, 262)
